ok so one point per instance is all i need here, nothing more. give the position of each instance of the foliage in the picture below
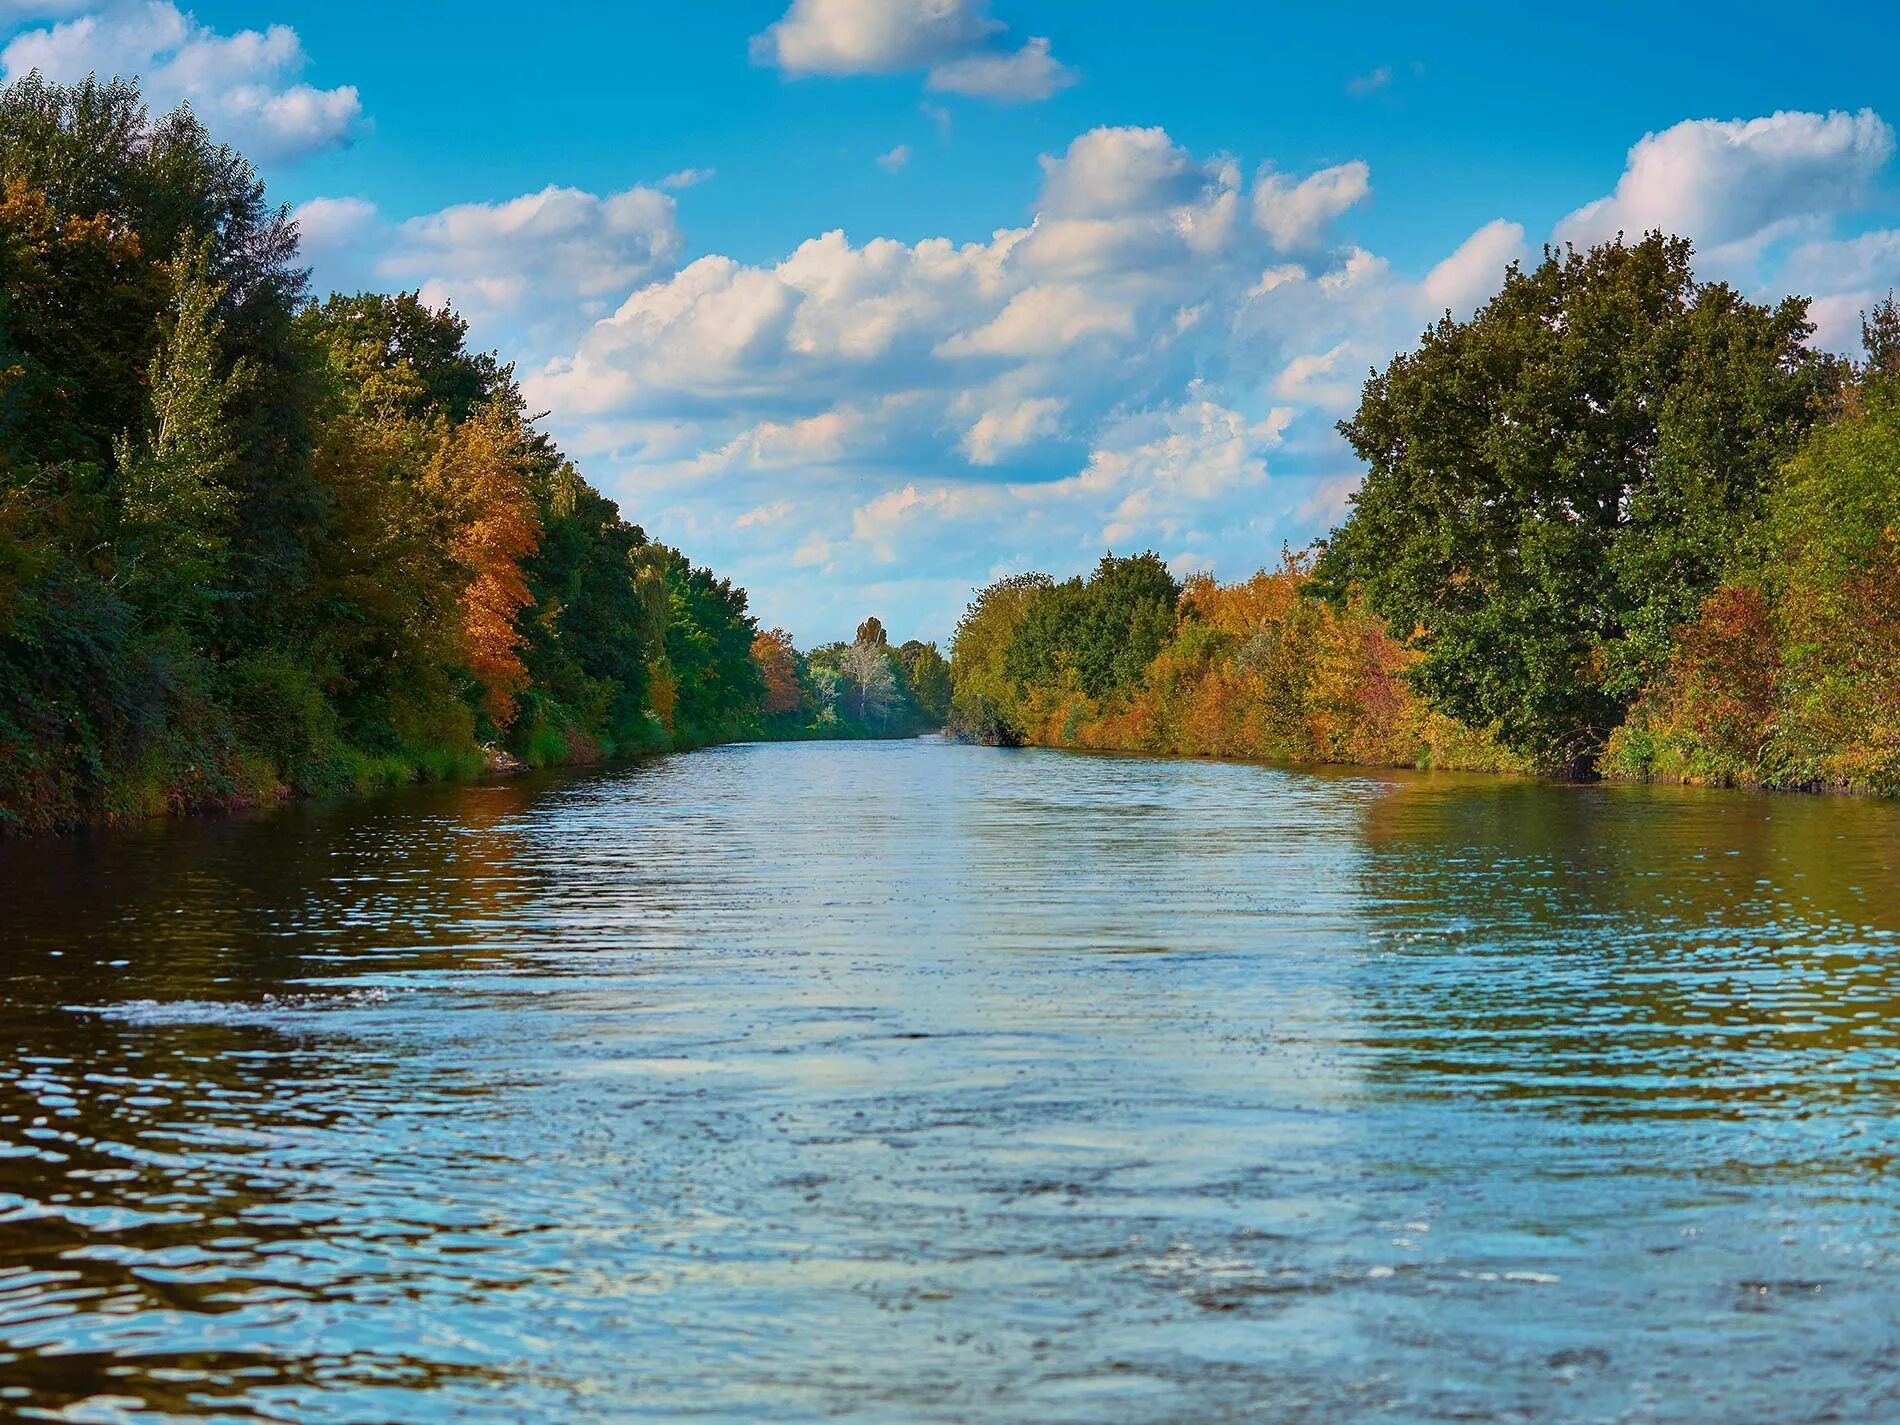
(253, 546)
(1100, 633)
(925, 674)
(1555, 485)
(866, 688)
(777, 662)
(1255, 669)
(983, 695)
(1790, 673)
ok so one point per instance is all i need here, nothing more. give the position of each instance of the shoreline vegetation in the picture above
(255, 546)
(1620, 523)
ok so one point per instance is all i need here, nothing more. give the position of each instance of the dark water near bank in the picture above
(915, 1082)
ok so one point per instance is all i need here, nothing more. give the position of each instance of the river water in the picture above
(914, 1082)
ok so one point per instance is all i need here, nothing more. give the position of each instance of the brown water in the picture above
(914, 1082)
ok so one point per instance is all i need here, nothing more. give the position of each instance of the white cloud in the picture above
(1003, 430)
(1111, 172)
(688, 177)
(1845, 277)
(955, 40)
(1724, 182)
(1330, 499)
(764, 514)
(1042, 321)
(1371, 82)
(872, 36)
(1475, 270)
(895, 159)
(1115, 372)
(1156, 359)
(243, 85)
(1295, 216)
(560, 257)
(1029, 74)
(1316, 377)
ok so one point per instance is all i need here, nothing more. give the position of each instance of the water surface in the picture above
(913, 1082)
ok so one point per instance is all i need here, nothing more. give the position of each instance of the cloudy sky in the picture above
(865, 302)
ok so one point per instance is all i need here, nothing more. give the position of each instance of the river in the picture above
(916, 1082)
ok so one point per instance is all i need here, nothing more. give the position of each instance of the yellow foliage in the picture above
(479, 472)
(1259, 669)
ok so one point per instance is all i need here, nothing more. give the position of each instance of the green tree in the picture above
(925, 674)
(176, 500)
(983, 697)
(1103, 632)
(868, 682)
(1554, 486)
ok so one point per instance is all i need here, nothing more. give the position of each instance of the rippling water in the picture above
(923, 1083)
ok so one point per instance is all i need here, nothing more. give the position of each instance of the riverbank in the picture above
(212, 795)
(1615, 773)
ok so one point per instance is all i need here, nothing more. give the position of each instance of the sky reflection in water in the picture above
(918, 1082)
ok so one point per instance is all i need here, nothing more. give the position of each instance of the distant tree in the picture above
(777, 661)
(868, 681)
(926, 678)
(1555, 485)
(871, 632)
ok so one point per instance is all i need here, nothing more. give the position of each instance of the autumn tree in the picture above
(777, 662)
(477, 472)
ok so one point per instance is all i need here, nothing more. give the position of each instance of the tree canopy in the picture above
(1554, 485)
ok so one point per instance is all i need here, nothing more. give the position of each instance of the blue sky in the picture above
(867, 301)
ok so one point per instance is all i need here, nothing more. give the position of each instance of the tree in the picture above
(1104, 631)
(983, 699)
(176, 499)
(708, 646)
(869, 685)
(926, 678)
(871, 632)
(1555, 485)
(777, 661)
(477, 471)
(1880, 337)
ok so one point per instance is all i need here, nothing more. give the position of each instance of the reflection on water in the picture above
(915, 1082)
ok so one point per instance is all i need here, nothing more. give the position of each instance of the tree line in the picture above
(255, 545)
(1620, 522)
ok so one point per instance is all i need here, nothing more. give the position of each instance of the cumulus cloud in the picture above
(1153, 357)
(561, 256)
(895, 159)
(1295, 216)
(1109, 373)
(1029, 74)
(957, 41)
(872, 36)
(688, 177)
(243, 85)
(1727, 182)
(1004, 430)
(1475, 270)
